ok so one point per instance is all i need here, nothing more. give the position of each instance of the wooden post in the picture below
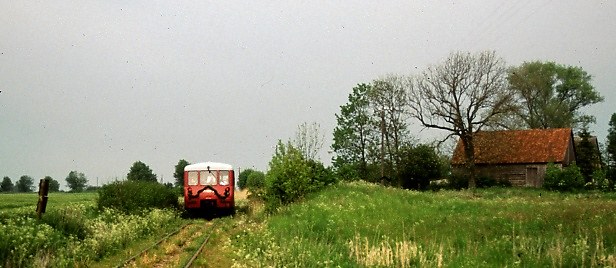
(42, 201)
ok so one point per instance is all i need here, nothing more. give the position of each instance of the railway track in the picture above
(170, 250)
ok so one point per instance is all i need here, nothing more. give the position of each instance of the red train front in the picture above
(209, 187)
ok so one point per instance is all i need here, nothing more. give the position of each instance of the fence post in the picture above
(42, 200)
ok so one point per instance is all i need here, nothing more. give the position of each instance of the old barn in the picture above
(519, 156)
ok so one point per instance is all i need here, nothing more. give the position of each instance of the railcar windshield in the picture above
(224, 177)
(193, 178)
(208, 177)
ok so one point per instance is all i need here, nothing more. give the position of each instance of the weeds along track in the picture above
(179, 248)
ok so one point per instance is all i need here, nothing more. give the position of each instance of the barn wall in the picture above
(517, 174)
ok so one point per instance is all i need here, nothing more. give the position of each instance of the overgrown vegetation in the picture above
(72, 232)
(566, 179)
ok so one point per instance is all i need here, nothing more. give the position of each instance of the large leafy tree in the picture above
(462, 95)
(551, 95)
(140, 172)
(6, 185)
(353, 133)
(76, 181)
(24, 184)
(179, 172)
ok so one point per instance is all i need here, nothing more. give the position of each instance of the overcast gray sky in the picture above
(94, 86)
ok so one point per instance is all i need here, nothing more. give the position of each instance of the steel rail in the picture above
(194, 257)
(132, 258)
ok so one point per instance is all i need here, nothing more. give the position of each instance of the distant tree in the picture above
(140, 172)
(420, 165)
(76, 181)
(6, 185)
(352, 135)
(611, 149)
(309, 140)
(462, 95)
(551, 95)
(179, 172)
(243, 177)
(256, 180)
(54, 185)
(24, 184)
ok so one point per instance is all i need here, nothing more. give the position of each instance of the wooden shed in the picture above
(519, 156)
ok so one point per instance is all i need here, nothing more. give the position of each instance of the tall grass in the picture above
(72, 235)
(360, 224)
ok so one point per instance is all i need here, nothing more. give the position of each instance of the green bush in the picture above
(320, 176)
(136, 196)
(419, 165)
(291, 176)
(569, 178)
(599, 181)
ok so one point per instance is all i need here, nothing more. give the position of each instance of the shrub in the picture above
(567, 179)
(320, 176)
(291, 176)
(136, 196)
(599, 181)
(419, 165)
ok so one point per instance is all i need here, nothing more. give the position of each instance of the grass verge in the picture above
(360, 224)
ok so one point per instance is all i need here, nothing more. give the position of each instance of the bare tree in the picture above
(462, 95)
(389, 102)
(309, 140)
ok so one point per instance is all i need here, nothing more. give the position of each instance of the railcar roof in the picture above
(211, 165)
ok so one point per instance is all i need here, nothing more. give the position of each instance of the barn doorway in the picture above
(532, 177)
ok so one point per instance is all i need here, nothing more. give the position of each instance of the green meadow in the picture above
(55, 199)
(365, 225)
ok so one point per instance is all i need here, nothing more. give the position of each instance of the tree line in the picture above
(464, 94)
(76, 181)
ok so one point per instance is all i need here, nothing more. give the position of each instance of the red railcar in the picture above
(209, 187)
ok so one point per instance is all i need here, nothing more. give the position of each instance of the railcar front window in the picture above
(193, 178)
(208, 178)
(224, 178)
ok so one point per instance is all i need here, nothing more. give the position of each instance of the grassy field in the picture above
(72, 232)
(360, 224)
(55, 199)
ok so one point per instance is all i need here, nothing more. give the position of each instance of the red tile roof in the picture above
(518, 146)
